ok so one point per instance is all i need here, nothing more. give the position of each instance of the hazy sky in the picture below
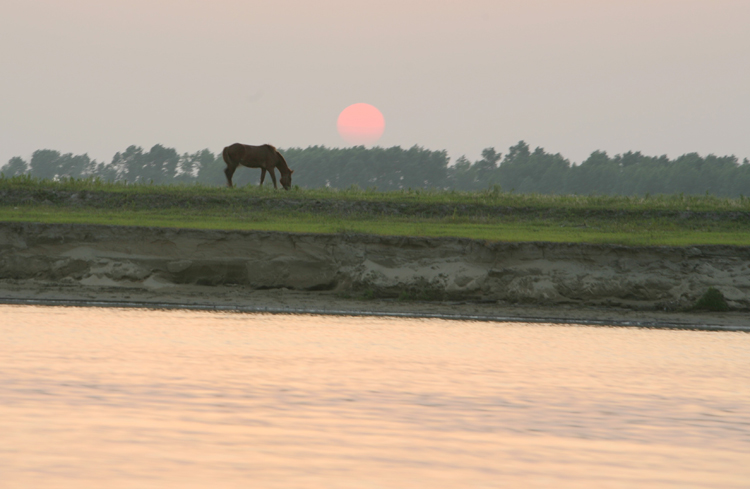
(572, 76)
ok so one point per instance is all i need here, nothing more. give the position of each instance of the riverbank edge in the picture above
(450, 278)
(384, 309)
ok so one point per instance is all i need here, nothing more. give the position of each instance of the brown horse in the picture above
(265, 157)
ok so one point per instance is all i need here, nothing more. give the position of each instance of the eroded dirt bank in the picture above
(543, 274)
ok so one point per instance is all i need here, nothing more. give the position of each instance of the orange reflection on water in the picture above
(137, 398)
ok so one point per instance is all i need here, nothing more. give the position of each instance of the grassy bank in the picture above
(490, 215)
(627, 232)
(46, 189)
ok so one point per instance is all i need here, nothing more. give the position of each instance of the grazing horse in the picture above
(265, 157)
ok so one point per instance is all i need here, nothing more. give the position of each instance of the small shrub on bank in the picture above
(712, 300)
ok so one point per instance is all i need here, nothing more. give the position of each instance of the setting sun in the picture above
(361, 124)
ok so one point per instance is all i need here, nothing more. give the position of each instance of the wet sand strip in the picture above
(366, 313)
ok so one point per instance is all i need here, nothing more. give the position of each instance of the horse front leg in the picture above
(262, 176)
(273, 177)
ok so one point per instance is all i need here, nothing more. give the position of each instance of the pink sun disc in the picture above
(361, 124)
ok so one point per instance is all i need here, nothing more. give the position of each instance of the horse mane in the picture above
(281, 162)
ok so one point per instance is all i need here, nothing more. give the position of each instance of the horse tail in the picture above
(225, 155)
(231, 165)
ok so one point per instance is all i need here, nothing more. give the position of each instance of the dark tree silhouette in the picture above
(520, 170)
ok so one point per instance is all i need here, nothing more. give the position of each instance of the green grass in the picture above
(492, 196)
(490, 215)
(627, 231)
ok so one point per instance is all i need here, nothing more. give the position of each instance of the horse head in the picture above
(286, 180)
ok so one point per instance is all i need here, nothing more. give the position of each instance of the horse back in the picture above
(263, 156)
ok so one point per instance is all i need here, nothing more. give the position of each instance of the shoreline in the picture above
(448, 278)
(327, 304)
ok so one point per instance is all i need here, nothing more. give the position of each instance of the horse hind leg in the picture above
(229, 171)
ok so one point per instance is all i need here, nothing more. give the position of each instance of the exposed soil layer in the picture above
(162, 260)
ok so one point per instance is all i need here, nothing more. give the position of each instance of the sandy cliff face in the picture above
(418, 268)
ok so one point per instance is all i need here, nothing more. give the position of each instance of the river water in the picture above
(116, 398)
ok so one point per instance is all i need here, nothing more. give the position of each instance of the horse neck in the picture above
(282, 166)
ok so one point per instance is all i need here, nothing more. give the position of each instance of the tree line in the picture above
(520, 170)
